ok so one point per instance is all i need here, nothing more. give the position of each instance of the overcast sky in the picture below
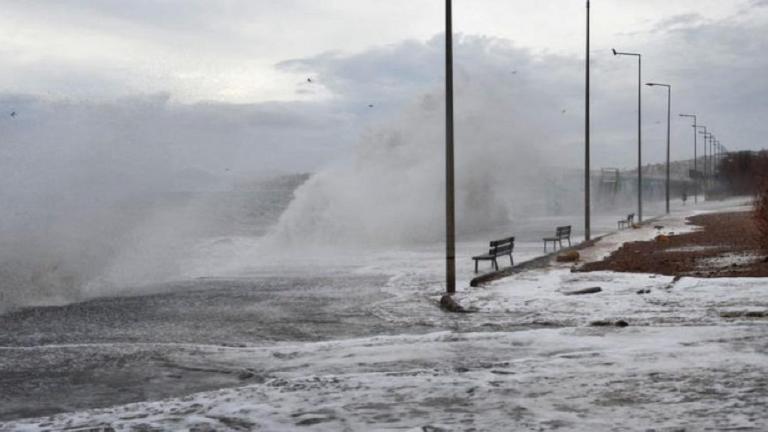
(258, 54)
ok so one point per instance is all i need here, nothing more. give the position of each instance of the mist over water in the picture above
(101, 197)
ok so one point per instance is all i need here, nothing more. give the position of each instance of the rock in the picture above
(245, 374)
(606, 323)
(659, 227)
(644, 291)
(447, 303)
(568, 257)
(757, 314)
(584, 291)
(662, 238)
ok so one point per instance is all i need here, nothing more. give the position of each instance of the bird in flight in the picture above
(309, 80)
(13, 114)
(370, 106)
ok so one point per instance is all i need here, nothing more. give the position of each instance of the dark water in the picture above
(126, 349)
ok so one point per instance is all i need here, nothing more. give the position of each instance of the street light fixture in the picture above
(639, 129)
(587, 174)
(711, 159)
(703, 130)
(695, 155)
(707, 137)
(718, 159)
(450, 211)
(669, 120)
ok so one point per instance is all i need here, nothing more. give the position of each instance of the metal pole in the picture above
(706, 166)
(640, 138)
(669, 120)
(704, 132)
(587, 183)
(709, 161)
(639, 129)
(669, 126)
(450, 250)
(695, 154)
(712, 167)
(695, 159)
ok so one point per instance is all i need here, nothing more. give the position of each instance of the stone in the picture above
(601, 323)
(731, 314)
(245, 374)
(606, 323)
(447, 303)
(584, 291)
(757, 314)
(644, 291)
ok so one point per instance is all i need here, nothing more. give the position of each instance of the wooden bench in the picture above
(561, 233)
(628, 222)
(497, 248)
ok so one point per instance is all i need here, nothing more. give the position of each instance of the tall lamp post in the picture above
(702, 130)
(587, 178)
(639, 129)
(450, 214)
(713, 159)
(695, 155)
(707, 135)
(718, 152)
(712, 139)
(669, 120)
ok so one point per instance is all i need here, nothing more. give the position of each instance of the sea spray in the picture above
(390, 190)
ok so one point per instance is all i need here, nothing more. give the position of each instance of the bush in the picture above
(761, 212)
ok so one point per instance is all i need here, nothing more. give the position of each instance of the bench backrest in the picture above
(563, 231)
(502, 247)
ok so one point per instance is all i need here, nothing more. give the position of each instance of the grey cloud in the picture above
(677, 21)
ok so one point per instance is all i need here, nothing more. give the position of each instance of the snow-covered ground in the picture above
(528, 359)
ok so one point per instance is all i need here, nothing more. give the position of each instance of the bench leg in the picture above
(476, 266)
(511, 261)
(495, 264)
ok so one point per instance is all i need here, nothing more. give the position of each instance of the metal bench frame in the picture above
(628, 222)
(497, 248)
(561, 233)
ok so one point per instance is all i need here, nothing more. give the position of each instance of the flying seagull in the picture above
(13, 114)
(370, 106)
(309, 80)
